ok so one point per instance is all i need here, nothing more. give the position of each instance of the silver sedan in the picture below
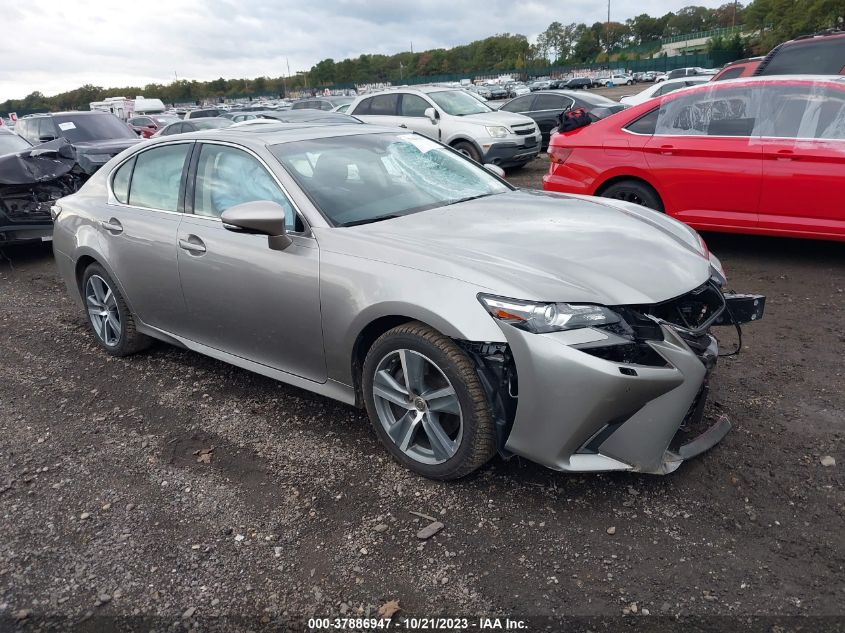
(383, 269)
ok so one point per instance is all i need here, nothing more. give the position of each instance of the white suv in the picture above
(456, 118)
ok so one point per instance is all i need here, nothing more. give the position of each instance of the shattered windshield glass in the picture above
(371, 177)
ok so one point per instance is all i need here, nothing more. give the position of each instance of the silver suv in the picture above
(456, 118)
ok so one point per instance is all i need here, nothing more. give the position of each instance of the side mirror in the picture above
(495, 169)
(262, 217)
(432, 114)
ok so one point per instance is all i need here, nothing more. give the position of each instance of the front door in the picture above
(242, 297)
(804, 159)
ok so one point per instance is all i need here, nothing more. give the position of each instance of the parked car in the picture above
(663, 88)
(203, 113)
(238, 117)
(310, 116)
(321, 103)
(759, 155)
(517, 90)
(456, 118)
(575, 83)
(618, 79)
(678, 73)
(382, 269)
(496, 92)
(204, 123)
(660, 77)
(737, 69)
(542, 84)
(95, 136)
(484, 91)
(546, 106)
(147, 125)
(819, 54)
(31, 180)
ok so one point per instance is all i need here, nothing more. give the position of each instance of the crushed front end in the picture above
(30, 183)
(628, 394)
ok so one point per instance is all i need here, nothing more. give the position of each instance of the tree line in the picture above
(769, 21)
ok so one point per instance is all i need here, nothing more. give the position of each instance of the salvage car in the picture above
(147, 125)
(662, 88)
(760, 155)
(203, 123)
(95, 136)
(819, 54)
(31, 180)
(545, 108)
(385, 270)
(456, 118)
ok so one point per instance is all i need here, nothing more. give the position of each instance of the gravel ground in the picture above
(106, 510)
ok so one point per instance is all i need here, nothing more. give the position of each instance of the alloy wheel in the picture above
(629, 196)
(417, 406)
(103, 311)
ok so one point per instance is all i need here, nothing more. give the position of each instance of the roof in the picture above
(277, 133)
(65, 113)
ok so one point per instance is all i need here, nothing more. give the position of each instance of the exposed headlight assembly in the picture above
(498, 131)
(541, 318)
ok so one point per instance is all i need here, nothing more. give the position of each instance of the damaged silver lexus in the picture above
(387, 271)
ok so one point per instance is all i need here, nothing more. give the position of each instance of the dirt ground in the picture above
(107, 518)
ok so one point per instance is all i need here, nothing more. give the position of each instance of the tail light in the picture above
(558, 155)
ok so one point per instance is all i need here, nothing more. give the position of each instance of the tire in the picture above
(468, 149)
(443, 438)
(114, 325)
(634, 191)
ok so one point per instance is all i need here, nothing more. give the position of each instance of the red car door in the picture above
(704, 159)
(804, 159)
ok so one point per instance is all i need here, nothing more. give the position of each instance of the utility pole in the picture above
(607, 31)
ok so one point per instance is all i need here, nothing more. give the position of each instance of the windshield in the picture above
(458, 102)
(11, 143)
(92, 127)
(371, 177)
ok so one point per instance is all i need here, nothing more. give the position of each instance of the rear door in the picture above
(381, 110)
(545, 111)
(412, 111)
(138, 231)
(705, 159)
(803, 137)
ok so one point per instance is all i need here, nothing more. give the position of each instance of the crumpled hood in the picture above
(539, 246)
(498, 117)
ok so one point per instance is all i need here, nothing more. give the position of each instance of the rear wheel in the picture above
(634, 191)
(109, 317)
(426, 403)
(468, 149)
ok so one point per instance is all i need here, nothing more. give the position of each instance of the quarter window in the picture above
(645, 124)
(227, 177)
(120, 181)
(157, 177)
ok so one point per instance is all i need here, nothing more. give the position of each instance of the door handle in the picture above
(112, 226)
(403, 125)
(193, 245)
(785, 155)
(667, 150)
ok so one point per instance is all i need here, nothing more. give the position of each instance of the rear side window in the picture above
(157, 177)
(821, 56)
(714, 112)
(363, 107)
(805, 112)
(520, 104)
(645, 124)
(120, 181)
(384, 105)
(552, 102)
(731, 73)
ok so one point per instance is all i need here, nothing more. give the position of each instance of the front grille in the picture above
(523, 129)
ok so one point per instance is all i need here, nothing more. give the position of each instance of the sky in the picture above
(57, 45)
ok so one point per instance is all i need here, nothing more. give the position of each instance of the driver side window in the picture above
(227, 176)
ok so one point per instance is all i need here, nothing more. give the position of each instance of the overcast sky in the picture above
(56, 45)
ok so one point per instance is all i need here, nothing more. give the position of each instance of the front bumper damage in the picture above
(594, 400)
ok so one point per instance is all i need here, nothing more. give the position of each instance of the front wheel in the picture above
(426, 403)
(634, 191)
(468, 149)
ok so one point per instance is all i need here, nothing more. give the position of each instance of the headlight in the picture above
(540, 318)
(498, 131)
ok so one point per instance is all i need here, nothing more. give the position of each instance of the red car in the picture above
(760, 155)
(739, 68)
(148, 124)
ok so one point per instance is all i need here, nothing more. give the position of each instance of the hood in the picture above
(42, 163)
(92, 155)
(497, 117)
(539, 246)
